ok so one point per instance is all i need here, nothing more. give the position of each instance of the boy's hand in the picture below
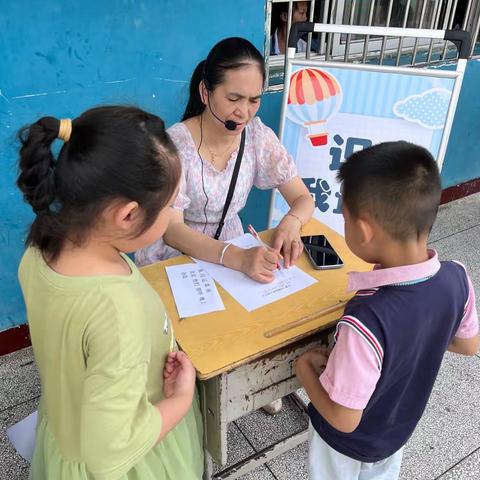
(317, 358)
(178, 375)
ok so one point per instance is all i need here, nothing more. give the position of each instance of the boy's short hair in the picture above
(397, 183)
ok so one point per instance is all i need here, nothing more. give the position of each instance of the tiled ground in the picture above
(445, 446)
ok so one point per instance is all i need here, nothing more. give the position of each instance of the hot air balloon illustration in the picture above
(314, 96)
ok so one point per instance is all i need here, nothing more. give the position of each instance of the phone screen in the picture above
(321, 253)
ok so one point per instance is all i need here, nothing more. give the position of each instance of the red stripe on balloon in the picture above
(299, 88)
(316, 84)
(329, 82)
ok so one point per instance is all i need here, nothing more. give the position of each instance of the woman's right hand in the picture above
(260, 263)
(178, 375)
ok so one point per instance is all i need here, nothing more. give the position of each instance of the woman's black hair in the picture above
(228, 54)
(114, 152)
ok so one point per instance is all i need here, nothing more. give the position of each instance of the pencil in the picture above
(259, 240)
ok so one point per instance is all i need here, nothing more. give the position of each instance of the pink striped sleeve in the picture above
(353, 369)
(469, 325)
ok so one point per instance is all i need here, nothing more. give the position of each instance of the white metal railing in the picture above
(412, 14)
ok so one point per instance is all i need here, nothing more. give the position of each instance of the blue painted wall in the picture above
(60, 58)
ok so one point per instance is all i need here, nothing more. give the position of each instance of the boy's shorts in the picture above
(325, 463)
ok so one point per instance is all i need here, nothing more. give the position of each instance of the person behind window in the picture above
(279, 37)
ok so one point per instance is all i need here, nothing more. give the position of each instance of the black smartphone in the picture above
(321, 253)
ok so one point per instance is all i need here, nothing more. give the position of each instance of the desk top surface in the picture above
(219, 341)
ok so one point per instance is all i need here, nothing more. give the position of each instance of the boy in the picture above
(406, 313)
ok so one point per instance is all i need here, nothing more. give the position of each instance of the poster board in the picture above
(332, 109)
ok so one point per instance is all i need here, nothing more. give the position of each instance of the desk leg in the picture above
(213, 397)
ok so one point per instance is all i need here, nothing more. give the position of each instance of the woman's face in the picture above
(237, 98)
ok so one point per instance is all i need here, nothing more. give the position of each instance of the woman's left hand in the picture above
(286, 239)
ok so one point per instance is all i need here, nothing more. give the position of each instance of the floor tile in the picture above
(263, 430)
(12, 465)
(292, 464)
(454, 217)
(465, 248)
(450, 427)
(260, 473)
(19, 379)
(238, 447)
(467, 469)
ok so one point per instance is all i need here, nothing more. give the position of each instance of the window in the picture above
(425, 14)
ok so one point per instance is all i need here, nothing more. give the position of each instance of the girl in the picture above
(116, 395)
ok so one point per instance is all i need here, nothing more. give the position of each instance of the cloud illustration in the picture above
(428, 109)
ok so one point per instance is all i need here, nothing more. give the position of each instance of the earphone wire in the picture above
(203, 181)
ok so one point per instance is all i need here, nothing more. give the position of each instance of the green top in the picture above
(100, 345)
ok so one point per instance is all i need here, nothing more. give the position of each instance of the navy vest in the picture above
(414, 324)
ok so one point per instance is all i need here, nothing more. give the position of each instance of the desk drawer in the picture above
(265, 379)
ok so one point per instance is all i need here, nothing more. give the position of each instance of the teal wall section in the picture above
(60, 57)
(462, 160)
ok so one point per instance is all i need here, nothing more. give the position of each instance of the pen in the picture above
(259, 240)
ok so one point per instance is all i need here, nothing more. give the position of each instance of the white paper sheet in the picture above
(22, 436)
(194, 290)
(248, 292)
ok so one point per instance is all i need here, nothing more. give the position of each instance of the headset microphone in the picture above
(229, 124)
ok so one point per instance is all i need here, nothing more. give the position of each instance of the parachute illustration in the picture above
(314, 96)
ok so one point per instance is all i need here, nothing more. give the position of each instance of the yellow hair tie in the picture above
(65, 129)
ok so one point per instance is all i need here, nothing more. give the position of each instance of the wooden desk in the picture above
(239, 368)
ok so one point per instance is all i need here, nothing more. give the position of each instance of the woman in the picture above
(225, 95)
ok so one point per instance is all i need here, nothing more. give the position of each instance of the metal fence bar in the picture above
(436, 14)
(367, 37)
(422, 17)
(387, 24)
(400, 40)
(349, 36)
(467, 14)
(475, 34)
(450, 23)
(325, 19)
(309, 37)
(333, 12)
(289, 23)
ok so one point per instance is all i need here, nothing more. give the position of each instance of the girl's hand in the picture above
(286, 239)
(260, 263)
(178, 376)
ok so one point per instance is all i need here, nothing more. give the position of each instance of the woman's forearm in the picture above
(193, 243)
(302, 209)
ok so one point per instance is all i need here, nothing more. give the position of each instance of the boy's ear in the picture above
(284, 17)
(367, 229)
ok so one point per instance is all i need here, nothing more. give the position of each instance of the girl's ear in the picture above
(125, 216)
(284, 17)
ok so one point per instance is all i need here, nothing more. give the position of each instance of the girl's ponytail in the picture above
(37, 164)
(37, 182)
